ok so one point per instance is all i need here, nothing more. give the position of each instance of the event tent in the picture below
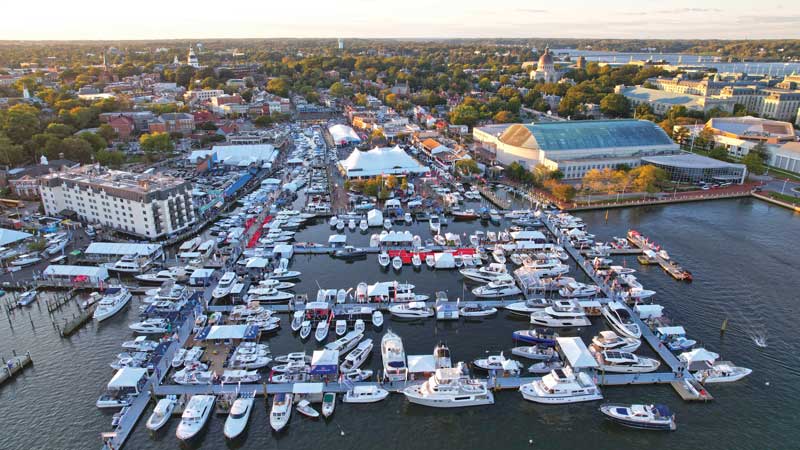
(381, 161)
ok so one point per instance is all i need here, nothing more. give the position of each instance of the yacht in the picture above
(159, 277)
(486, 274)
(297, 320)
(498, 363)
(644, 417)
(384, 260)
(25, 260)
(150, 326)
(618, 315)
(140, 344)
(195, 416)
(499, 255)
(576, 289)
(129, 264)
(161, 413)
(328, 404)
(561, 386)
(377, 318)
(435, 224)
(499, 288)
(535, 352)
(563, 313)
(473, 310)
(351, 224)
(441, 356)
(305, 329)
(416, 261)
(397, 263)
(356, 358)
(363, 225)
(270, 295)
(394, 357)
(26, 298)
(450, 388)
(235, 376)
(535, 336)
(112, 302)
(282, 273)
(722, 372)
(322, 330)
(528, 306)
(345, 343)
(224, 286)
(609, 340)
(304, 407)
(615, 361)
(281, 411)
(411, 310)
(365, 394)
(238, 416)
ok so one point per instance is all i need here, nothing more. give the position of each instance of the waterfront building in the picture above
(787, 157)
(237, 155)
(144, 205)
(545, 69)
(172, 123)
(661, 101)
(575, 147)
(692, 168)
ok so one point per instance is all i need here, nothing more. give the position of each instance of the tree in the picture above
(563, 192)
(466, 166)
(21, 122)
(391, 182)
(615, 105)
(76, 149)
(645, 178)
(59, 129)
(96, 141)
(278, 86)
(719, 152)
(503, 117)
(11, 154)
(761, 150)
(754, 163)
(262, 121)
(110, 158)
(464, 115)
(337, 89)
(107, 132)
(156, 143)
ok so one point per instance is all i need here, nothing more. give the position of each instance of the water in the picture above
(741, 252)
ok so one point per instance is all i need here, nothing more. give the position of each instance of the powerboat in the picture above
(416, 261)
(435, 224)
(333, 221)
(140, 344)
(328, 404)
(430, 260)
(450, 388)
(411, 310)
(160, 277)
(499, 255)
(535, 352)
(363, 225)
(359, 326)
(576, 289)
(535, 336)
(615, 361)
(356, 358)
(350, 253)
(345, 343)
(486, 274)
(27, 298)
(281, 410)
(238, 416)
(503, 287)
(721, 372)
(643, 417)
(377, 318)
(546, 366)
(112, 302)
(561, 386)
(473, 310)
(528, 306)
(236, 376)
(387, 224)
(394, 357)
(297, 320)
(128, 264)
(562, 313)
(351, 225)
(195, 416)
(498, 363)
(305, 329)
(322, 330)
(441, 356)
(618, 315)
(384, 260)
(224, 286)
(270, 295)
(150, 326)
(25, 260)
(304, 406)
(161, 413)
(397, 263)
(408, 219)
(365, 394)
(609, 340)
(341, 327)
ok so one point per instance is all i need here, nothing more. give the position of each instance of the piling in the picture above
(72, 325)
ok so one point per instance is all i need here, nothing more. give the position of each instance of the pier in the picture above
(494, 199)
(14, 366)
(71, 326)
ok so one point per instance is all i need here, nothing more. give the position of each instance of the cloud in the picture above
(531, 11)
(777, 19)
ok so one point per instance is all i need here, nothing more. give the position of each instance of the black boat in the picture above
(350, 252)
(645, 417)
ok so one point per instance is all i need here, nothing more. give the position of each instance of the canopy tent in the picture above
(91, 273)
(649, 311)
(225, 332)
(11, 236)
(381, 161)
(343, 134)
(237, 155)
(271, 181)
(257, 263)
(444, 261)
(121, 249)
(397, 237)
(671, 331)
(374, 218)
(337, 240)
(421, 364)
(698, 358)
(576, 353)
(127, 377)
(283, 250)
(324, 362)
(307, 388)
(526, 235)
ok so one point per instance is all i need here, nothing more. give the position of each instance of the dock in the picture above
(74, 324)
(494, 199)
(14, 366)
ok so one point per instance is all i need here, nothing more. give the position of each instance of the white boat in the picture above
(503, 287)
(498, 363)
(416, 261)
(562, 313)
(26, 298)
(238, 416)
(128, 264)
(561, 386)
(281, 411)
(411, 310)
(341, 327)
(161, 413)
(397, 263)
(615, 361)
(162, 276)
(270, 295)
(340, 225)
(249, 361)
(384, 260)
(57, 247)
(112, 302)
(435, 224)
(356, 358)
(486, 274)
(25, 260)
(322, 331)
(140, 344)
(618, 315)
(345, 343)
(721, 372)
(363, 226)
(365, 394)
(499, 255)
(297, 320)
(333, 221)
(535, 352)
(304, 407)
(576, 289)
(150, 326)
(546, 366)
(430, 260)
(224, 286)
(609, 340)
(359, 326)
(305, 329)
(374, 240)
(195, 416)
(236, 376)
(528, 306)
(281, 273)
(341, 296)
(394, 357)
(377, 318)
(387, 224)
(475, 310)
(643, 417)
(351, 224)
(450, 388)
(328, 404)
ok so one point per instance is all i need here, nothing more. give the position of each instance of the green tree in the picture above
(96, 141)
(464, 115)
(467, 166)
(107, 132)
(156, 143)
(21, 122)
(719, 152)
(11, 154)
(110, 158)
(278, 86)
(59, 129)
(504, 117)
(754, 163)
(76, 149)
(615, 105)
(337, 89)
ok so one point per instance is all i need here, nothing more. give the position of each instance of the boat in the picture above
(374, 240)
(609, 340)
(416, 261)
(281, 411)
(498, 363)
(397, 263)
(486, 274)
(304, 408)
(576, 289)
(408, 219)
(151, 326)
(430, 260)
(305, 329)
(351, 225)
(328, 404)
(341, 327)
(359, 326)
(238, 416)
(270, 295)
(93, 298)
(721, 372)
(387, 224)
(356, 358)
(224, 286)
(195, 416)
(27, 297)
(350, 253)
(297, 320)
(411, 310)
(112, 302)
(377, 318)
(236, 376)
(499, 255)
(57, 247)
(140, 344)
(643, 417)
(394, 357)
(345, 343)
(535, 352)
(441, 356)
(321, 332)
(450, 388)
(528, 306)
(501, 287)
(340, 225)
(561, 386)
(365, 394)
(161, 413)
(615, 361)
(384, 260)
(562, 313)
(25, 260)
(546, 366)
(435, 224)
(467, 214)
(333, 221)
(535, 336)
(473, 310)
(618, 315)
(128, 264)
(363, 225)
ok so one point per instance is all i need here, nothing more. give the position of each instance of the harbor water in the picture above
(742, 254)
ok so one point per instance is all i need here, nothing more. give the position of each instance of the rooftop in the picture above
(97, 176)
(586, 134)
(690, 161)
(753, 127)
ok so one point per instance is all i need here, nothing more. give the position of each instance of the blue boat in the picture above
(644, 417)
(536, 336)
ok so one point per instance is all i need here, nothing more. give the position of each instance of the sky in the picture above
(166, 19)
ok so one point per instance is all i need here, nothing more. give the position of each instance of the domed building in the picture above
(546, 69)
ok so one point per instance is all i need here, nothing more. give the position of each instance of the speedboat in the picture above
(140, 344)
(340, 225)
(345, 343)
(363, 225)
(25, 260)
(365, 394)
(351, 225)
(528, 306)
(615, 361)
(333, 221)
(644, 417)
(281, 411)
(435, 224)
(270, 295)
(224, 286)
(411, 310)
(535, 337)
(498, 363)
(430, 260)
(150, 326)
(112, 302)
(322, 331)
(397, 263)
(328, 404)
(195, 416)
(27, 298)
(499, 255)
(618, 315)
(384, 260)
(161, 413)
(160, 277)
(561, 386)
(416, 261)
(297, 320)
(534, 352)
(486, 274)
(563, 313)
(249, 361)
(387, 224)
(377, 318)
(238, 416)
(235, 376)
(576, 289)
(356, 358)
(722, 372)
(609, 340)
(341, 327)
(359, 326)
(546, 366)
(408, 219)
(350, 253)
(503, 287)
(304, 408)
(305, 329)
(450, 388)
(394, 357)
(472, 310)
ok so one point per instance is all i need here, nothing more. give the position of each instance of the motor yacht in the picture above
(394, 357)
(356, 358)
(27, 297)
(113, 301)
(475, 310)
(609, 340)
(435, 224)
(576, 290)
(397, 263)
(297, 320)
(535, 352)
(618, 315)
(498, 363)
(304, 407)
(161, 413)
(351, 224)
(150, 326)
(224, 286)
(321, 332)
(305, 329)
(384, 260)
(270, 295)
(128, 264)
(140, 344)
(562, 313)
(238, 416)
(411, 310)
(561, 386)
(535, 336)
(363, 225)
(236, 376)
(721, 372)
(546, 366)
(502, 287)
(365, 394)
(195, 416)
(328, 404)
(160, 277)
(644, 417)
(615, 361)
(486, 274)
(345, 343)
(528, 306)
(281, 411)
(450, 388)
(377, 318)
(499, 255)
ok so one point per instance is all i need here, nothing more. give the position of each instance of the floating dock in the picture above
(14, 366)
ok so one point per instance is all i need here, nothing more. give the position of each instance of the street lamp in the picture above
(784, 185)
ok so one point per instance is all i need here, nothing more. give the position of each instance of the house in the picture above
(172, 123)
(23, 182)
(122, 125)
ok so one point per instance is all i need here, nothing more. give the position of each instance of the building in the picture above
(144, 205)
(379, 162)
(172, 123)
(122, 125)
(203, 95)
(661, 101)
(546, 69)
(23, 182)
(787, 157)
(343, 135)
(740, 134)
(692, 168)
(575, 147)
(581, 62)
(242, 155)
(191, 59)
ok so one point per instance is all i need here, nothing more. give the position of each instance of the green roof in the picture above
(586, 134)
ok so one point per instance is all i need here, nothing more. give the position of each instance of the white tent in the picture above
(283, 250)
(671, 331)
(237, 155)
(127, 377)
(220, 332)
(421, 364)
(257, 263)
(649, 311)
(375, 218)
(576, 353)
(381, 161)
(336, 240)
(444, 261)
(397, 237)
(94, 274)
(343, 134)
(10, 236)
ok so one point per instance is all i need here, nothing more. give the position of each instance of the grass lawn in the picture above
(783, 197)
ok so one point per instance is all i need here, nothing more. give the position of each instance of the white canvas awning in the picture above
(576, 353)
(649, 311)
(307, 388)
(221, 332)
(421, 363)
(91, 272)
(257, 263)
(398, 236)
(10, 236)
(337, 239)
(127, 377)
(671, 331)
(699, 355)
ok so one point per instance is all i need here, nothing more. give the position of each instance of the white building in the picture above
(546, 69)
(191, 59)
(380, 161)
(787, 157)
(203, 95)
(240, 155)
(149, 206)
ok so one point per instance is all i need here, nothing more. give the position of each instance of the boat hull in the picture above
(471, 400)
